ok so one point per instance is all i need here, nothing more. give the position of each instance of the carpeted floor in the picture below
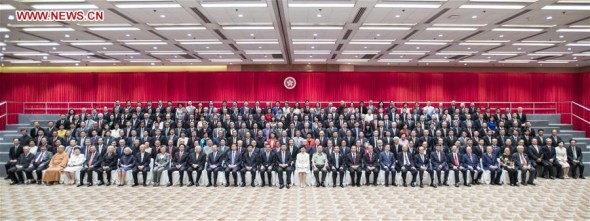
(549, 200)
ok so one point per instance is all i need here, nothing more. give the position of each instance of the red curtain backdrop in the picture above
(314, 86)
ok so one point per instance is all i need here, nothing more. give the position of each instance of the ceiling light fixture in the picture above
(572, 30)
(174, 28)
(406, 5)
(585, 7)
(233, 5)
(319, 27)
(450, 29)
(248, 27)
(46, 29)
(321, 5)
(148, 5)
(63, 6)
(491, 6)
(113, 29)
(519, 29)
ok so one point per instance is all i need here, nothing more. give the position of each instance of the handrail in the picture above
(588, 122)
(5, 104)
(582, 106)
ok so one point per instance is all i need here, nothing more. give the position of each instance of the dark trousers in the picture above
(438, 174)
(355, 175)
(456, 172)
(234, 174)
(7, 167)
(421, 175)
(316, 174)
(337, 172)
(190, 170)
(144, 173)
(495, 175)
(473, 171)
(88, 172)
(280, 170)
(405, 171)
(180, 173)
(389, 171)
(108, 171)
(37, 169)
(532, 175)
(263, 170)
(252, 174)
(368, 172)
(214, 171)
(574, 166)
(512, 175)
(16, 174)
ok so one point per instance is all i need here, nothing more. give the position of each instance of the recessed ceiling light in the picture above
(90, 43)
(519, 49)
(233, 5)
(474, 16)
(176, 28)
(113, 29)
(155, 48)
(10, 17)
(127, 35)
(259, 47)
(319, 27)
(248, 27)
(189, 34)
(519, 29)
(549, 17)
(440, 35)
(148, 5)
(492, 6)
(450, 29)
(312, 47)
(251, 34)
(567, 7)
(321, 5)
(162, 16)
(207, 47)
(47, 29)
(63, 6)
(406, 5)
(561, 36)
(397, 16)
(381, 27)
(241, 15)
(319, 15)
(54, 48)
(572, 30)
(6, 36)
(425, 43)
(501, 36)
(38, 44)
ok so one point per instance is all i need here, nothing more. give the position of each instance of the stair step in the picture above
(575, 133)
(539, 123)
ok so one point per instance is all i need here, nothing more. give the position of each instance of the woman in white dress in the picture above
(561, 155)
(369, 116)
(302, 166)
(74, 165)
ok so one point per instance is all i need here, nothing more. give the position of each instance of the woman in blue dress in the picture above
(127, 162)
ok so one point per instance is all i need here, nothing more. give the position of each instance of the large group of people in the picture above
(292, 139)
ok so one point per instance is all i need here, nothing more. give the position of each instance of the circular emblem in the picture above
(289, 83)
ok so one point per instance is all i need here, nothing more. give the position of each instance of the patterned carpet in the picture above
(549, 200)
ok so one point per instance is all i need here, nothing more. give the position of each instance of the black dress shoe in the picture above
(375, 184)
(181, 184)
(432, 185)
(108, 183)
(169, 185)
(387, 184)
(445, 184)
(6, 178)
(288, 186)
(467, 185)
(282, 186)
(134, 185)
(262, 185)
(190, 184)
(79, 185)
(317, 185)
(582, 177)
(227, 185)
(334, 186)
(342, 185)
(252, 185)
(144, 184)
(405, 185)
(90, 184)
(269, 184)
(421, 186)
(323, 185)
(208, 185)
(100, 183)
(215, 185)
(243, 184)
(197, 184)
(456, 184)
(413, 184)
(235, 185)
(532, 184)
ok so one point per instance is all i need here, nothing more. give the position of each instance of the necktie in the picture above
(283, 157)
(233, 157)
(575, 155)
(353, 159)
(522, 159)
(91, 159)
(43, 154)
(456, 159)
(336, 161)
(438, 153)
(371, 157)
(406, 159)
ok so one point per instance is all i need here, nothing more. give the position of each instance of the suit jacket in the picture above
(570, 154)
(145, 162)
(419, 162)
(488, 161)
(472, 162)
(200, 161)
(400, 160)
(25, 160)
(95, 160)
(44, 160)
(250, 161)
(236, 158)
(15, 152)
(533, 153)
(180, 159)
(386, 161)
(451, 158)
(265, 160)
(110, 161)
(371, 162)
(436, 160)
(288, 158)
(356, 162)
(518, 162)
(215, 159)
(341, 160)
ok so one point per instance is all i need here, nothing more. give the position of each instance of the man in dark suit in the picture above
(40, 163)
(214, 160)
(423, 164)
(371, 165)
(90, 165)
(35, 130)
(249, 164)
(179, 161)
(196, 163)
(25, 138)
(354, 165)
(13, 154)
(284, 162)
(471, 163)
(439, 163)
(232, 164)
(490, 162)
(142, 160)
(524, 164)
(405, 163)
(108, 163)
(387, 163)
(24, 161)
(535, 153)
(574, 156)
(455, 162)
(337, 162)
(266, 161)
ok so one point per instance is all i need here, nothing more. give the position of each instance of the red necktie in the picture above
(456, 160)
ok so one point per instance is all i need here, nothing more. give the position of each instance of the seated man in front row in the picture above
(387, 163)
(439, 164)
(423, 164)
(471, 164)
(266, 161)
(249, 163)
(283, 163)
(24, 161)
(524, 164)
(196, 163)
(371, 162)
(232, 164)
(405, 163)
(354, 162)
(39, 164)
(214, 160)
